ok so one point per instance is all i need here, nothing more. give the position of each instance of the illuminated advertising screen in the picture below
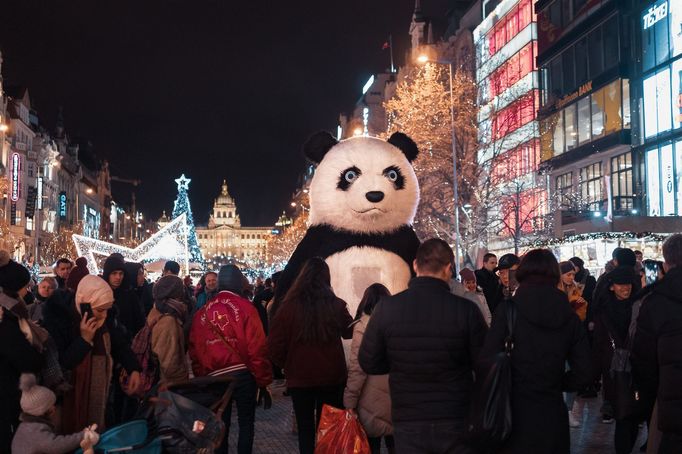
(667, 181)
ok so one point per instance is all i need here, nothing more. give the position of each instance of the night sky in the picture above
(214, 89)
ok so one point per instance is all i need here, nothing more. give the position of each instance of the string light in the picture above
(169, 243)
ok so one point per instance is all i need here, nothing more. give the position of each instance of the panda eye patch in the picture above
(348, 177)
(395, 176)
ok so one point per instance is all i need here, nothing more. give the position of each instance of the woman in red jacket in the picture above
(305, 339)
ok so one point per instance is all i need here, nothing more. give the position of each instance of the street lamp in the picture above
(423, 59)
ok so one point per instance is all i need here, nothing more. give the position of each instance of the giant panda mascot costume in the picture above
(363, 199)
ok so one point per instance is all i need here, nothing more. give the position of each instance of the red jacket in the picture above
(305, 364)
(237, 320)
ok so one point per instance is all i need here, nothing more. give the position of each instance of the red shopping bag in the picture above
(340, 432)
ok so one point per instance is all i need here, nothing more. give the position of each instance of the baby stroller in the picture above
(186, 418)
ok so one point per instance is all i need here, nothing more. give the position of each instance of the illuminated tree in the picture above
(279, 248)
(61, 245)
(181, 206)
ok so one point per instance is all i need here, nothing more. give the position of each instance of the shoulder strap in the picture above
(220, 335)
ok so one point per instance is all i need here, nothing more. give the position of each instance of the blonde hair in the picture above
(50, 280)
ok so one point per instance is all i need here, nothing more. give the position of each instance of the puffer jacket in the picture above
(238, 323)
(657, 351)
(368, 394)
(427, 340)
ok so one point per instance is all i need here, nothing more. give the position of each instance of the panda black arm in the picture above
(307, 248)
(407, 244)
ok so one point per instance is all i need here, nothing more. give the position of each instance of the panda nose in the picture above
(375, 196)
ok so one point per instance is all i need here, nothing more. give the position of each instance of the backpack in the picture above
(142, 349)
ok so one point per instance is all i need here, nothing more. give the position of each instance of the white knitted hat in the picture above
(35, 400)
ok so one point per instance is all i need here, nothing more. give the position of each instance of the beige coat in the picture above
(368, 394)
(168, 344)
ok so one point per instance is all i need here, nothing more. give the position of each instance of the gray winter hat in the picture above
(35, 400)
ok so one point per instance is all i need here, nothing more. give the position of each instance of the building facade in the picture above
(658, 89)
(225, 237)
(608, 122)
(506, 73)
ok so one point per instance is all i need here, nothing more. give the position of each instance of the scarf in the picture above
(171, 306)
(86, 403)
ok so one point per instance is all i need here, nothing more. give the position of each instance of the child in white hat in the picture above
(35, 434)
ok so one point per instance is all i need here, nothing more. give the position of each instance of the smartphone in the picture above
(86, 308)
(651, 269)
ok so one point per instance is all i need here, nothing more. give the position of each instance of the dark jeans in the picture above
(625, 435)
(431, 438)
(308, 408)
(244, 396)
(375, 444)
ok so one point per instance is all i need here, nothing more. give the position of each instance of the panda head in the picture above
(363, 184)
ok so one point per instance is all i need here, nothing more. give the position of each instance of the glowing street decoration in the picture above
(169, 243)
(16, 161)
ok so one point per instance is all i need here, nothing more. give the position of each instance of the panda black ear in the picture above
(406, 145)
(318, 145)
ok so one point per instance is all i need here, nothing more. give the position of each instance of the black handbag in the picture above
(626, 402)
(491, 422)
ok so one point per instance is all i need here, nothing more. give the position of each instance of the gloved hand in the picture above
(264, 397)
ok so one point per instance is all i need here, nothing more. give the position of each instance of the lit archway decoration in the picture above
(169, 243)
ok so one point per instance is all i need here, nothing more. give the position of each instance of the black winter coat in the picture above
(546, 335)
(17, 355)
(490, 284)
(427, 340)
(130, 312)
(657, 350)
(62, 321)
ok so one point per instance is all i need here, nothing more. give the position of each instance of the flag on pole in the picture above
(385, 46)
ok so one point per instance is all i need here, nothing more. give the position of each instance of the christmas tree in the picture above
(182, 206)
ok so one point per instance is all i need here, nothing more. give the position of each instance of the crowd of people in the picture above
(70, 363)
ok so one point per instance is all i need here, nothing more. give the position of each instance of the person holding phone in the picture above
(89, 341)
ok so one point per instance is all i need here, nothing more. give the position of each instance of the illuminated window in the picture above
(584, 120)
(571, 127)
(612, 106)
(564, 187)
(590, 184)
(598, 113)
(621, 183)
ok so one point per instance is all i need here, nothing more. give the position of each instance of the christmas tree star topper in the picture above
(183, 182)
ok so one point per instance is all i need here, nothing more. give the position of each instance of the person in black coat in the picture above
(134, 279)
(427, 340)
(657, 347)
(487, 279)
(17, 354)
(621, 257)
(129, 311)
(611, 325)
(547, 333)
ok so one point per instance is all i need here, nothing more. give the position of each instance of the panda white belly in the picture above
(356, 268)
